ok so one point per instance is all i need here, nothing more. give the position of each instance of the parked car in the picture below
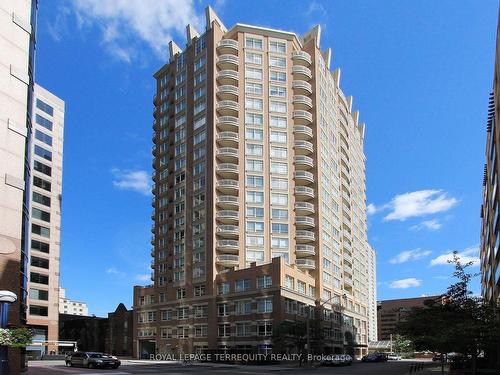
(437, 358)
(92, 360)
(375, 357)
(337, 360)
(393, 357)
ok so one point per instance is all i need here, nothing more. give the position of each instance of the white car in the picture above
(394, 357)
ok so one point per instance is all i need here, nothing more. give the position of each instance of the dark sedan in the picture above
(375, 357)
(92, 360)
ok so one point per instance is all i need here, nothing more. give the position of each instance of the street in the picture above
(151, 367)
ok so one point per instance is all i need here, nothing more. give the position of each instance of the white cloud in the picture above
(409, 255)
(125, 23)
(405, 283)
(114, 271)
(419, 203)
(138, 181)
(142, 277)
(371, 209)
(428, 224)
(471, 254)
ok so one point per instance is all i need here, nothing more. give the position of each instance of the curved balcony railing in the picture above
(308, 264)
(301, 57)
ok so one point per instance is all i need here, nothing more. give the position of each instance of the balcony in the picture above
(227, 216)
(152, 277)
(227, 169)
(304, 236)
(306, 264)
(302, 102)
(228, 245)
(304, 192)
(227, 46)
(228, 62)
(302, 87)
(228, 185)
(227, 153)
(225, 201)
(305, 250)
(301, 117)
(228, 230)
(228, 260)
(228, 138)
(227, 107)
(301, 72)
(301, 57)
(304, 222)
(304, 208)
(303, 177)
(152, 265)
(302, 132)
(303, 147)
(227, 122)
(227, 92)
(303, 162)
(228, 77)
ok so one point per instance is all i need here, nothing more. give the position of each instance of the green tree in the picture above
(401, 345)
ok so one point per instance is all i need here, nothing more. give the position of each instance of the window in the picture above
(41, 231)
(181, 293)
(265, 328)
(253, 103)
(254, 241)
(255, 181)
(201, 330)
(39, 278)
(254, 73)
(255, 226)
(279, 214)
(222, 309)
(253, 43)
(198, 123)
(277, 106)
(279, 152)
(182, 332)
(253, 58)
(279, 199)
(278, 91)
(199, 107)
(254, 134)
(243, 329)
(265, 305)
(41, 199)
(275, 46)
(40, 215)
(224, 330)
(199, 137)
(181, 61)
(200, 62)
(198, 168)
(301, 287)
(280, 168)
(39, 262)
(39, 310)
(43, 153)
(242, 285)
(201, 311)
(279, 228)
(223, 288)
(264, 281)
(45, 107)
(279, 183)
(254, 165)
(199, 290)
(278, 122)
(253, 88)
(40, 120)
(254, 150)
(164, 80)
(289, 282)
(278, 62)
(42, 295)
(199, 78)
(179, 121)
(277, 76)
(180, 78)
(254, 119)
(243, 307)
(255, 197)
(180, 92)
(40, 246)
(183, 313)
(180, 149)
(254, 256)
(199, 92)
(40, 167)
(199, 153)
(200, 45)
(255, 211)
(45, 138)
(151, 316)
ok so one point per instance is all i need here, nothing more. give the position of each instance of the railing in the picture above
(227, 43)
(302, 56)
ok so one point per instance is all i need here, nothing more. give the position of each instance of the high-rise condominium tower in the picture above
(45, 219)
(259, 208)
(490, 208)
(17, 46)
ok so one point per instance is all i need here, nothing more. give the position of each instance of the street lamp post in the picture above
(6, 298)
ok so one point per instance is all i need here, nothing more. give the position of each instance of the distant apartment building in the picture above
(17, 46)
(120, 332)
(391, 312)
(259, 202)
(71, 307)
(46, 160)
(372, 293)
(490, 208)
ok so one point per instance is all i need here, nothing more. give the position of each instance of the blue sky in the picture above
(420, 73)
